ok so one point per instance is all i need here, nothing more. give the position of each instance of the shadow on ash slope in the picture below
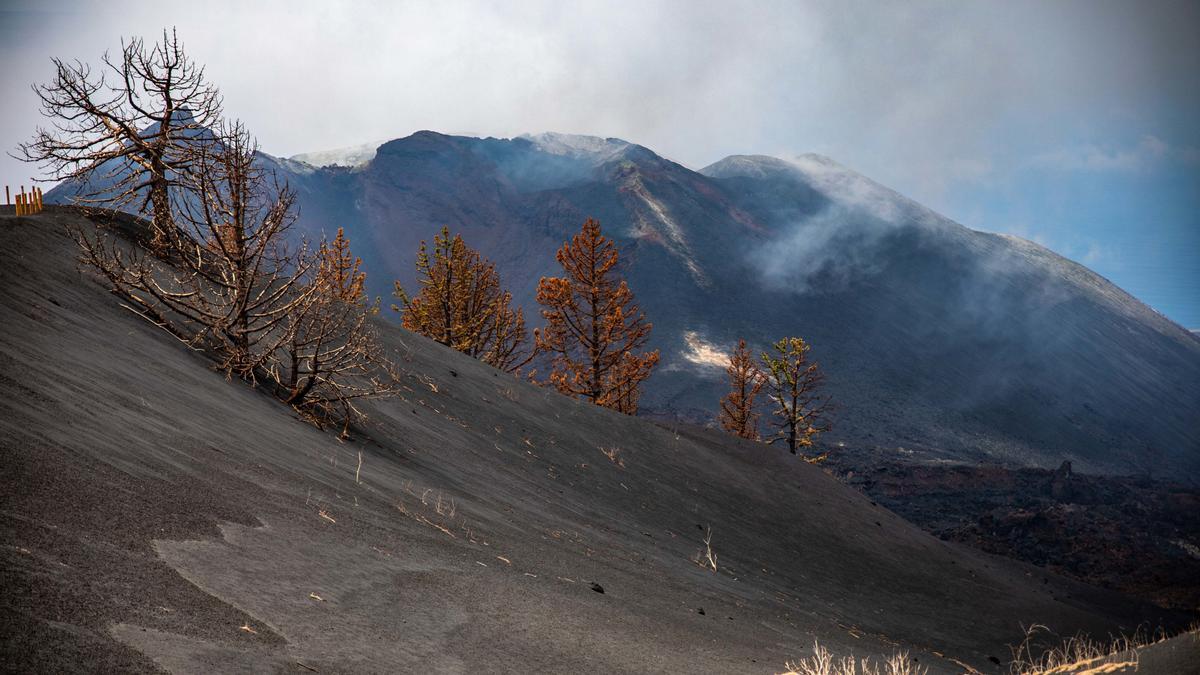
(155, 515)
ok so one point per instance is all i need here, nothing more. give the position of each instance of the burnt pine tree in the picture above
(118, 134)
(462, 305)
(794, 383)
(737, 414)
(225, 283)
(333, 358)
(339, 271)
(594, 329)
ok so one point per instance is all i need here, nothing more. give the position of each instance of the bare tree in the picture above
(118, 134)
(332, 358)
(228, 281)
(225, 283)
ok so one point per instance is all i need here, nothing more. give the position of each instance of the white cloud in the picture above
(923, 97)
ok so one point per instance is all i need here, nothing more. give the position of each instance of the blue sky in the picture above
(1072, 123)
(1130, 211)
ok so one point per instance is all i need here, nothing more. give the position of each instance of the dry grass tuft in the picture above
(433, 508)
(705, 557)
(822, 662)
(614, 455)
(428, 382)
(1075, 654)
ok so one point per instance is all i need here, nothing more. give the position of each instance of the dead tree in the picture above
(118, 135)
(332, 359)
(225, 282)
(229, 253)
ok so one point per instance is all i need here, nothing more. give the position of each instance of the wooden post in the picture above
(19, 205)
(7, 199)
(24, 202)
(37, 192)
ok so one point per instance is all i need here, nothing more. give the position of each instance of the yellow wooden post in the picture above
(19, 211)
(37, 195)
(24, 202)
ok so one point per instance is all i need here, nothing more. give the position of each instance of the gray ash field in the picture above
(156, 515)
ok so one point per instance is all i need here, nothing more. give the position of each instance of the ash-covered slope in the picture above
(934, 337)
(156, 514)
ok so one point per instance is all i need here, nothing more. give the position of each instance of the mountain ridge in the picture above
(966, 345)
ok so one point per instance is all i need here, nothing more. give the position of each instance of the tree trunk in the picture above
(595, 350)
(160, 203)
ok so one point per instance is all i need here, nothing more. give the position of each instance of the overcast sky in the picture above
(1070, 123)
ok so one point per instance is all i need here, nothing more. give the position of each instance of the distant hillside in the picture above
(158, 516)
(935, 338)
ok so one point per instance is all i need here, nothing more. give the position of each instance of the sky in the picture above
(1072, 123)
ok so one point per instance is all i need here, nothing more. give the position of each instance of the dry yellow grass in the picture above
(823, 662)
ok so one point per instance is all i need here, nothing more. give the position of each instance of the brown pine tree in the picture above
(794, 384)
(593, 325)
(462, 305)
(339, 271)
(737, 414)
(334, 358)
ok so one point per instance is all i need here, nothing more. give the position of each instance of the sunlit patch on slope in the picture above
(702, 353)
